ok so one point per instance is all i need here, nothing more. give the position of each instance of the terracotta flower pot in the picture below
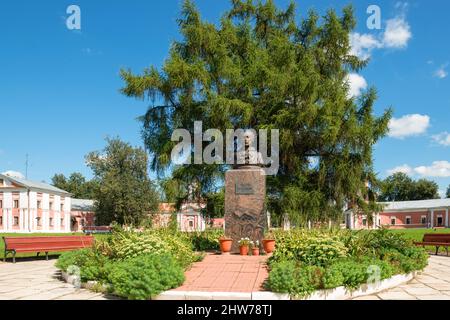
(243, 250)
(225, 245)
(269, 245)
(255, 251)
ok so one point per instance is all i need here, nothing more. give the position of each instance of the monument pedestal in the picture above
(245, 216)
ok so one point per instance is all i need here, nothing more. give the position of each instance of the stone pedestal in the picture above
(245, 216)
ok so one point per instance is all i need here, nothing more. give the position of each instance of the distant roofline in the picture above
(34, 185)
(419, 205)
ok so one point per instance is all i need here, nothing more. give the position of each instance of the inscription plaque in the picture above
(244, 189)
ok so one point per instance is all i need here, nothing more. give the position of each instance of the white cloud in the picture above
(356, 83)
(442, 138)
(14, 174)
(363, 44)
(441, 73)
(408, 125)
(437, 169)
(397, 33)
(403, 169)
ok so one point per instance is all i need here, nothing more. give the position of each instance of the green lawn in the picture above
(2, 243)
(417, 234)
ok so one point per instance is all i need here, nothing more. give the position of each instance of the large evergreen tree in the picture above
(261, 67)
(126, 194)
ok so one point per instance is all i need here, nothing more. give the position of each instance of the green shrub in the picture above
(206, 240)
(125, 245)
(91, 265)
(290, 277)
(145, 276)
(311, 248)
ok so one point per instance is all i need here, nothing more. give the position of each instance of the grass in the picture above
(417, 235)
(31, 254)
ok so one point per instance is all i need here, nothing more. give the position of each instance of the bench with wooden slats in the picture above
(435, 239)
(14, 245)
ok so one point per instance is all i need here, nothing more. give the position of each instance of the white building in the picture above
(28, 206)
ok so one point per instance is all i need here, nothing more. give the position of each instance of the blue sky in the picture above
(59, 88)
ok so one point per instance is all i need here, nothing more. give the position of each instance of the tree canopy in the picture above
(126, 194)
(76, 184)
(448, 192)
(400, 187)
(263, 67)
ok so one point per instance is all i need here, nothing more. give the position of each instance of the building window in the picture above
(2, 182)
(62, 207)
(50, 222)
(423, 219)
(62, 221)
(191, 224)
(39, 205)
(16, 204)
(38, 221)
(440, 221)
(408, 220)
(364, 222)
(82, 222)
(16, 221)
(50, 205)
(1, 221)
(1, 204)
(393, 220)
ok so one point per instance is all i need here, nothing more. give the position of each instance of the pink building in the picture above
(28, 206)
(82, 214)
(405, 214)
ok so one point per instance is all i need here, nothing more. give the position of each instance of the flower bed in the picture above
(309, 260)
(133, 265)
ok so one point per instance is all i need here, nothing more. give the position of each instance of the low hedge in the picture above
(134, 265)
(305, 261)
(145, 276)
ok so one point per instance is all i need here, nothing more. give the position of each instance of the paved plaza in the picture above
(40, 280)
(431, 284)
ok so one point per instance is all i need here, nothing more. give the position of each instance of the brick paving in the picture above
(226, 273)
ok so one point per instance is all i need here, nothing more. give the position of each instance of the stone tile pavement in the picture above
(38, 280)
(432, 284)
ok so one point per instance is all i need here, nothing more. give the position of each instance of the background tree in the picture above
(400, 187)
(261, 67)
(126, 194)
(448, 192)
(76, 184)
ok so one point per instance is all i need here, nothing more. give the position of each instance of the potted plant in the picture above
(255, 248)
(244, 245)
(269, 243)
(225, 244)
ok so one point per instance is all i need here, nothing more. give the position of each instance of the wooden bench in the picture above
(14, 245)
(435, 239)
(97, 229)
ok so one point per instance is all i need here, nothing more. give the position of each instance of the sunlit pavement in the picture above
(432, 284)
